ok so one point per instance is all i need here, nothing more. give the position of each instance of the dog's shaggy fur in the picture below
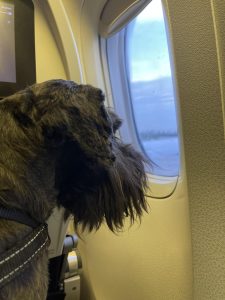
(58, 147)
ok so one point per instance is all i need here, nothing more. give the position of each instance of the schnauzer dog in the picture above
(59, 148)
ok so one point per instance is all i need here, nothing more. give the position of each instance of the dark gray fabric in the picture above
(18, 258)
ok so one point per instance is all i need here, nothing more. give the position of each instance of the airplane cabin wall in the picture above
(198, 38)
(48, 59)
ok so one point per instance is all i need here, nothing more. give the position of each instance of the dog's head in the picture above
(66, 128)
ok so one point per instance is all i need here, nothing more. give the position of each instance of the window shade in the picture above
(117, 13)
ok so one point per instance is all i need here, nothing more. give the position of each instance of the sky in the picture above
(152, 11)
(147, 45)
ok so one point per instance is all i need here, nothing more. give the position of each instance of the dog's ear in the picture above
(27, 107)
(20, 105)
(28, 115)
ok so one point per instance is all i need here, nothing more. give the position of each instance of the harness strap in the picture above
(15, 260)
(18, 216)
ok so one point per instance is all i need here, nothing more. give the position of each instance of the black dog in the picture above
(58, 147)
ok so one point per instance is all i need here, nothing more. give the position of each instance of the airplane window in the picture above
(151, 89)
(140, 71)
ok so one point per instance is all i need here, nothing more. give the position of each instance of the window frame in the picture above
(113, 55)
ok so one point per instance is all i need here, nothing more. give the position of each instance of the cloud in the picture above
(145, 71)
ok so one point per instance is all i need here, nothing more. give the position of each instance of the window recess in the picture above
(142, 87)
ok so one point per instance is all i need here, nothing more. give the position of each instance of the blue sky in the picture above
(147, 45)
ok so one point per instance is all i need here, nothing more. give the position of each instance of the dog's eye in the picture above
(54, 136)
(108, 129)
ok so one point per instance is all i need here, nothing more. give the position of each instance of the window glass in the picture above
(151, 89)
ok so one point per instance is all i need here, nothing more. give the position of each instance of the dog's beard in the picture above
(122, 194)
(98, 192)
(105, 184)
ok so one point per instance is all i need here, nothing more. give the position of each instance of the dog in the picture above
(59, 147)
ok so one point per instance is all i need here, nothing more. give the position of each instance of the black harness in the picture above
(15, 260)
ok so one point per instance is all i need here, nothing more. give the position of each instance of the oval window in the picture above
(151, 89)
